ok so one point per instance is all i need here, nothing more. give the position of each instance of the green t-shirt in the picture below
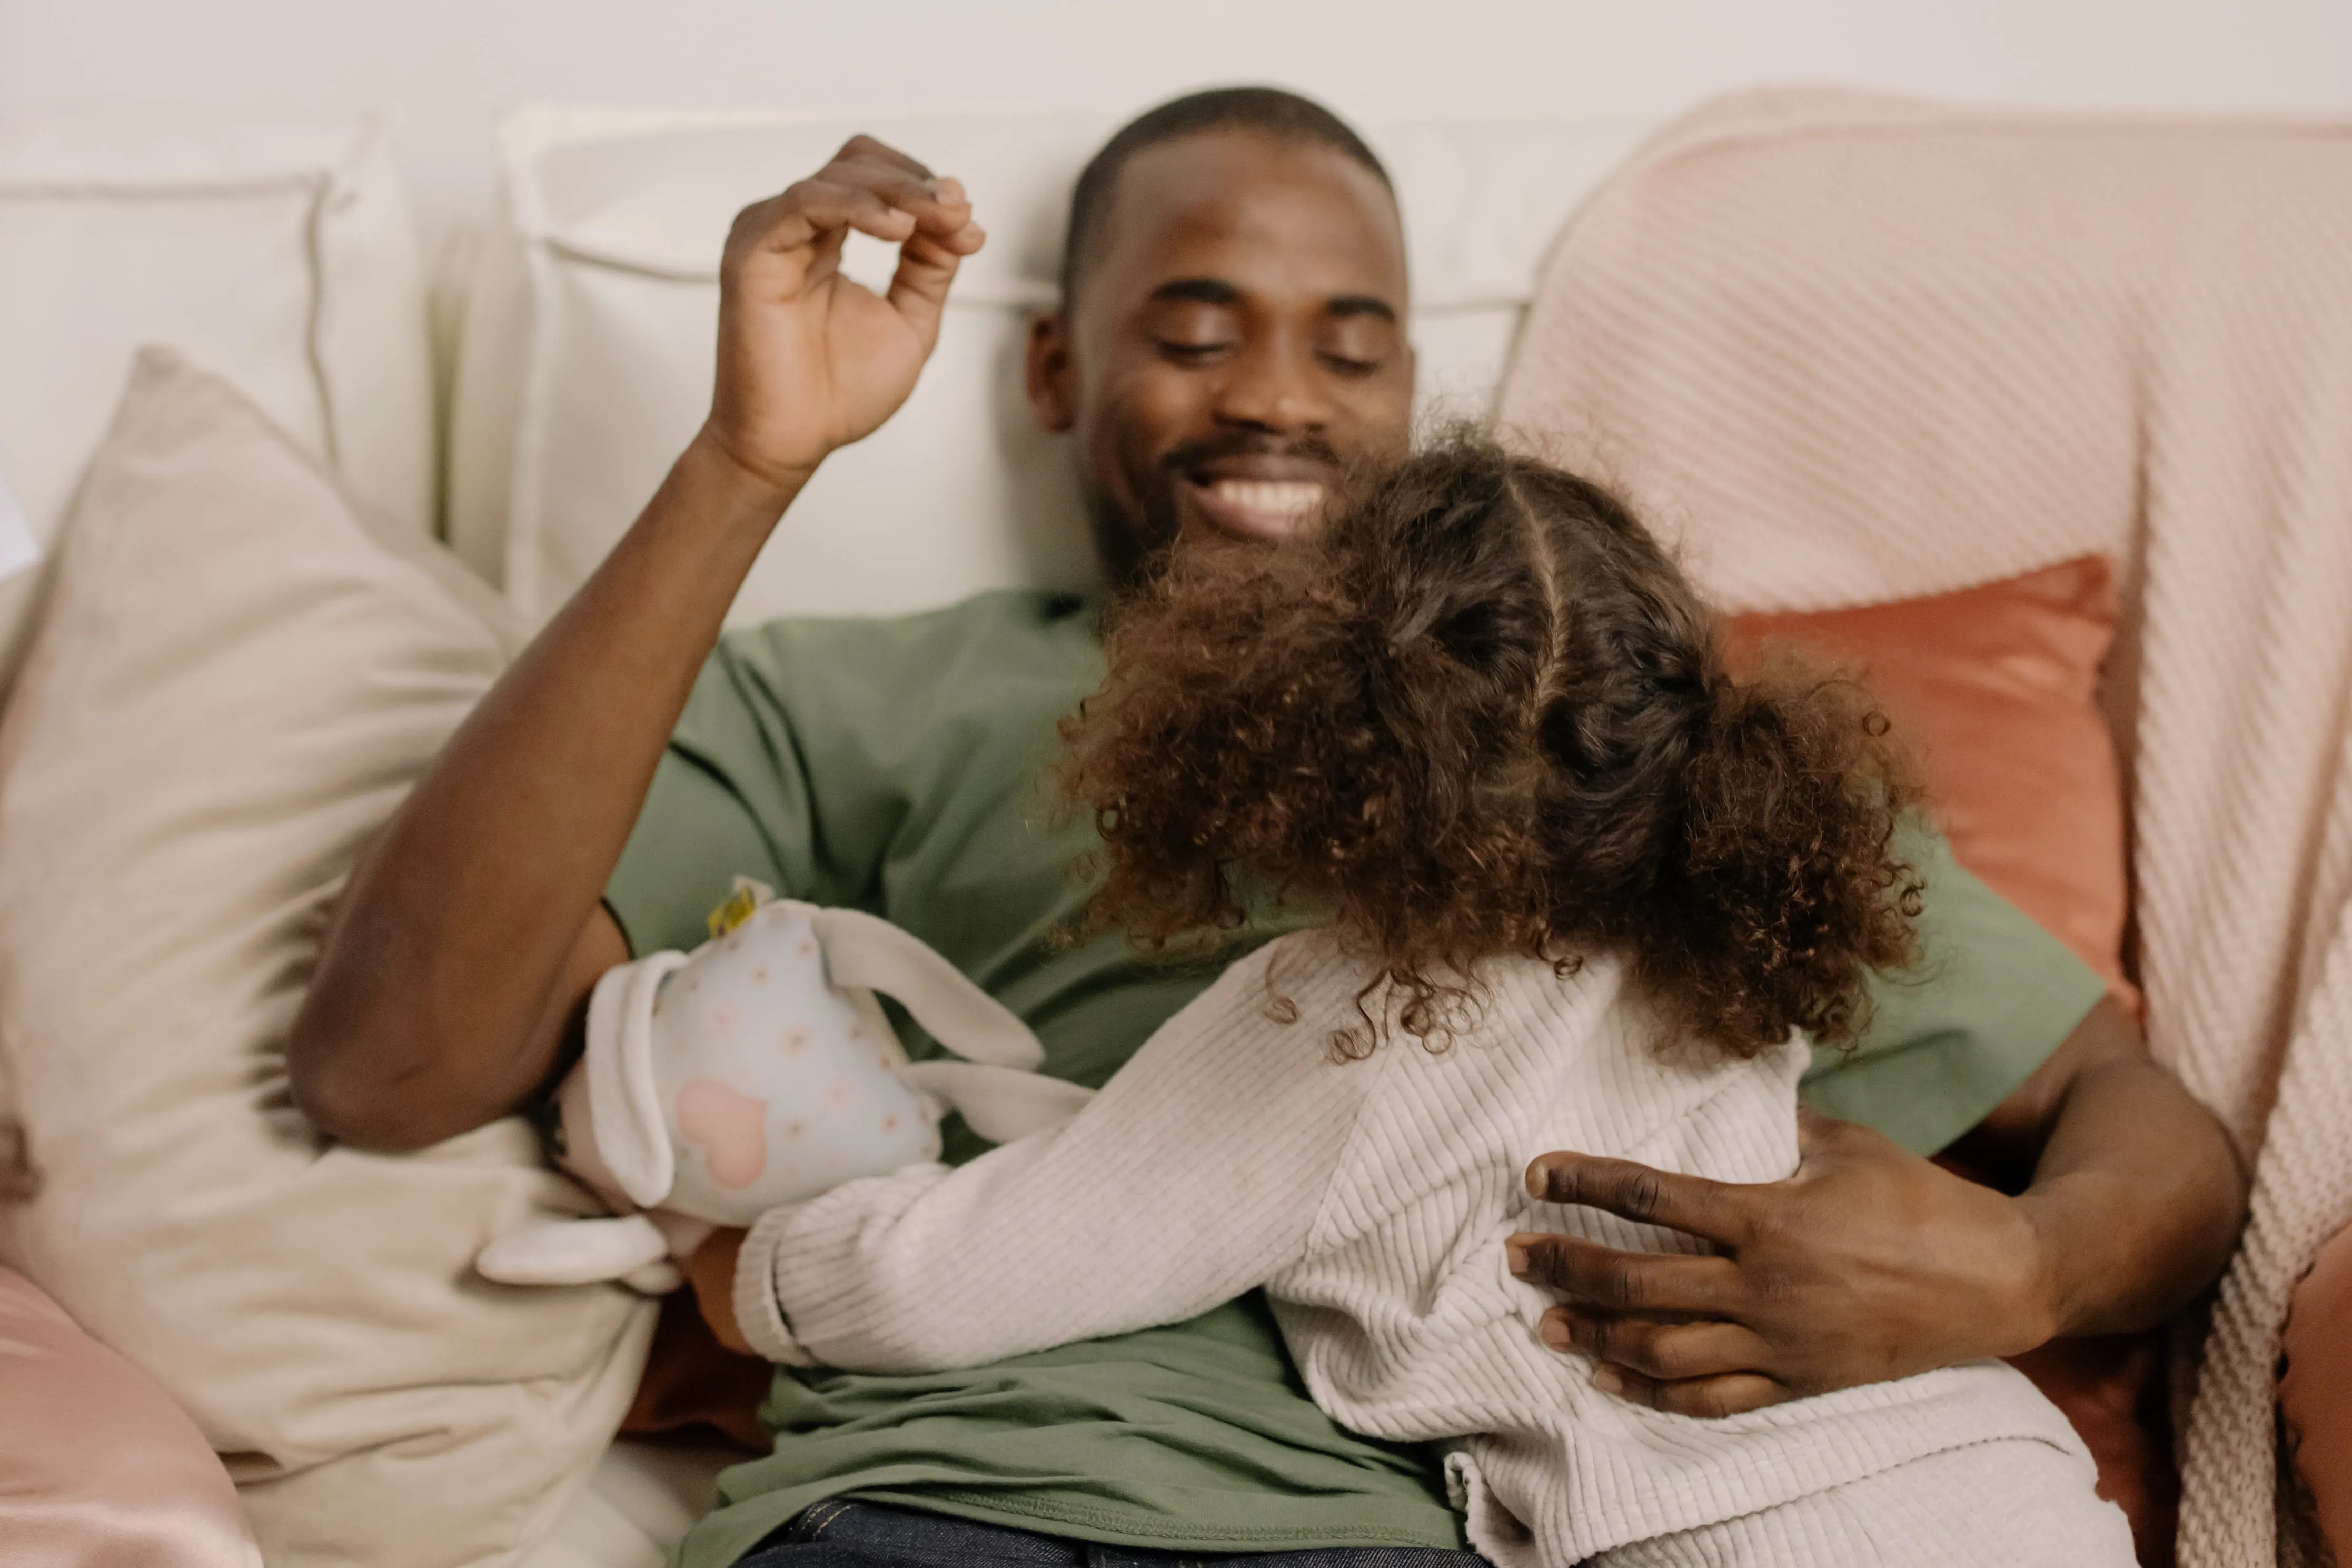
(898, 766)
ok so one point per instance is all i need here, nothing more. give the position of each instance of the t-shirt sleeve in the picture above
(1992, 995)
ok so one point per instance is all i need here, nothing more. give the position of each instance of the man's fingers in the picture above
(1659, 1283)
(1710, 1398)
(862, 148)
(1666, 1351)
(938, 206)
(886, 203)
(1715, 1210)
(928, 259)
(936, 203)
(813, 208)
(926, 265)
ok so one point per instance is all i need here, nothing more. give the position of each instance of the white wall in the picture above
(449, 67)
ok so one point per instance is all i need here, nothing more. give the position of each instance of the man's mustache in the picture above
(1311, 448)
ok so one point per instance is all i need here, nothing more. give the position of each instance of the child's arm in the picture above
(1198, 1174)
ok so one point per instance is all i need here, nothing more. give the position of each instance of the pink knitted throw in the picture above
(1849, 349)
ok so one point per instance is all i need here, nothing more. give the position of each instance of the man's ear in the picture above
(1050, 372)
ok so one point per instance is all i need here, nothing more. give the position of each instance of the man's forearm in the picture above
(2137, 1199)
(436, 1006)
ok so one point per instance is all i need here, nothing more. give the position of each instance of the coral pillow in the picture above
(236, 679)
(1994, 690)
(98, 1467)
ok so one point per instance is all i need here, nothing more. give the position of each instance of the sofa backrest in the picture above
(280, 256)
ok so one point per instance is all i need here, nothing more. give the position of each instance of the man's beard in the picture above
(1131, 548)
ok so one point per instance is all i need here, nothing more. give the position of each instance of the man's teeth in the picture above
(1270, 496)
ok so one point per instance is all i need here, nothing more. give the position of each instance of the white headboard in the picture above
(450, 71)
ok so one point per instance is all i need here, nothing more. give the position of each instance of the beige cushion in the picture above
(235, 681)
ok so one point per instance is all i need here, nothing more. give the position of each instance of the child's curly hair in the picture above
(1479, 711)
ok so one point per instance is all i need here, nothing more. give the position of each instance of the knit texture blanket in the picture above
(1847, 349)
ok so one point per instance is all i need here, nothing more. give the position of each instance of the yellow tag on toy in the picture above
(741, 905)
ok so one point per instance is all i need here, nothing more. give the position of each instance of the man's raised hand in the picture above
(808, 360)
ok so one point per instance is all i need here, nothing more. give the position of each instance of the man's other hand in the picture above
(711, 1270)
(1870, 1263)
(809, 361)
(1867, 1264)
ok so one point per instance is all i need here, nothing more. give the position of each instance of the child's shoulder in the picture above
(1324, 979)
(1297, 973)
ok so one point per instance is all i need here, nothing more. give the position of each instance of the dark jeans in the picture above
(872, 1535)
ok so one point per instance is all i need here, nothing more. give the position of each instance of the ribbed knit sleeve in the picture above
(1195, 1175)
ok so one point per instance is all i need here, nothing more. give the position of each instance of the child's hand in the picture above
(711, 1272)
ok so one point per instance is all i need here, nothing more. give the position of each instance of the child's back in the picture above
(1408, 1325)
(1371, 1199)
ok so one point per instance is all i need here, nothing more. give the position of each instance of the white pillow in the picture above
(282, 258)
(236, 680)
(588, 340)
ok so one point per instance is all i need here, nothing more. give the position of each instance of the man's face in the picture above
(1237, 337)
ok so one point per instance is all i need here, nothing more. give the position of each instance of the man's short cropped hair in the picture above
(1267, 109)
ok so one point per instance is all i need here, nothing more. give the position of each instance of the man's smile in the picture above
(1257, 508)
(1254, 495)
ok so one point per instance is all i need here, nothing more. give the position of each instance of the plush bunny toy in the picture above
(759, 1070)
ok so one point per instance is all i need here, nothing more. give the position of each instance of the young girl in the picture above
(1572, 887)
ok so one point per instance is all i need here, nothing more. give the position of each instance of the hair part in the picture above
(1480, 711)
(1269, 111)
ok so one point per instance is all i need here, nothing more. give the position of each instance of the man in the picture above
(1231, 333)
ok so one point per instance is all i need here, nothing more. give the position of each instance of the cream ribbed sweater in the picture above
(1370, 1199)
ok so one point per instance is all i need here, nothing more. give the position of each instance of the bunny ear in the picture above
(860, 950)
(1000, 1103)
(624, 1105)
(573, 1252)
